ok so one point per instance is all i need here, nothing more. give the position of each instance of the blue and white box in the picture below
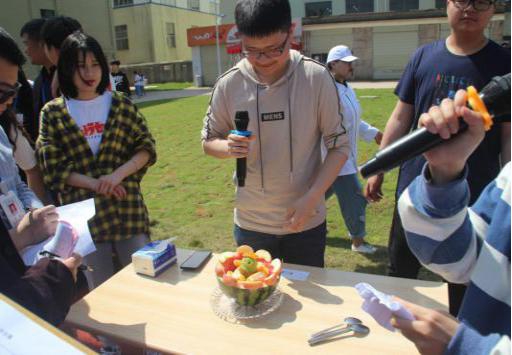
(154, 257)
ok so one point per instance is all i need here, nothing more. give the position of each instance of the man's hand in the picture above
(378, 137)
(431, 331)
(72, 263)
(447, 160)
(299, 214)
(238, 146)
(373, 189)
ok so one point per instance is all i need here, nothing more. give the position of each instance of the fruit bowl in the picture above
(248, 277)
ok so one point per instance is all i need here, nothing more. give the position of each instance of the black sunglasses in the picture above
(8, 91)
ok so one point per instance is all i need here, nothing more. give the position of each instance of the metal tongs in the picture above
(350, 324)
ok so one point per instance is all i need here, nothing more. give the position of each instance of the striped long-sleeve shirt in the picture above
(11, 181)
(469, 246)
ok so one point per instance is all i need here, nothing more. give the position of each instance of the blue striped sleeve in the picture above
(468, 341)
(438, 228)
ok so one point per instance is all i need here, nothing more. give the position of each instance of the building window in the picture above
(47, 13)
(171, 35)
(194, 4)
(319, 8)
(121, 37)
(121, 3)
(403, 5)
(440, 4)
(354, 6)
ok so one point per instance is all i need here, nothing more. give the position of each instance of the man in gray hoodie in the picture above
(292, 104)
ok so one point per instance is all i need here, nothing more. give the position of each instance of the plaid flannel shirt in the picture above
(62, 149)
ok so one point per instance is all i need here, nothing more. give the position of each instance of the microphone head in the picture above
(496, 95)
(241, 120)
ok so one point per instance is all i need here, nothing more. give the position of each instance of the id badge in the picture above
(12, 207)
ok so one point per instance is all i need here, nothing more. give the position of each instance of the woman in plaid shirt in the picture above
(95, 143)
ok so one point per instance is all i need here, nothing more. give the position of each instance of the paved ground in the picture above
(171, 94)
(373, 84)
(176, 94)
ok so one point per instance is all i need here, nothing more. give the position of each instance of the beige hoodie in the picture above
(289, 118)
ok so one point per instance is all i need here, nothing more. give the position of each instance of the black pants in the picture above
(403, 263)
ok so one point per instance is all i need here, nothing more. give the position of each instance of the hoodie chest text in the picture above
(272, 116)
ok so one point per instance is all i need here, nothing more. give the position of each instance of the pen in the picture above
(51, 255)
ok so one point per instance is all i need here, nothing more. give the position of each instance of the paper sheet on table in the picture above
(19, 334)
(295, 275)
(77, 214)
(381, 306)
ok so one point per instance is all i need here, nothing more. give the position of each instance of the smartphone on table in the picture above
(196, 260)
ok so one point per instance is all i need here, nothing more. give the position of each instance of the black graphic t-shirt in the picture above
(434, 73)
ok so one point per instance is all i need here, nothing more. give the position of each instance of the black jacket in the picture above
(42, 93)
(47, 289)
(122, 83)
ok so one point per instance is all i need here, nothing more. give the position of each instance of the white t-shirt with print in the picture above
(91, 116)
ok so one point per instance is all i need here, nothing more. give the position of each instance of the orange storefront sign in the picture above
(203, 36)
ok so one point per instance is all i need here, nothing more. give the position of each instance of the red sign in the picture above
(203, 36)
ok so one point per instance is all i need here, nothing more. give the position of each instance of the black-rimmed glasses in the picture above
(269, 53)
(8, 91)
(478, 5)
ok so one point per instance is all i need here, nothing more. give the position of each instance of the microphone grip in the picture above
(404, 149)
(241, 168)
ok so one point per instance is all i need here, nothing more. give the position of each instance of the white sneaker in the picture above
(364, 248)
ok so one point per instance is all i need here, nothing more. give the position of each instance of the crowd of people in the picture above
(86, 141)
(74, 134)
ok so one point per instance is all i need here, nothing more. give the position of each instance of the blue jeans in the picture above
(304, 248)
(352, 203)
(138, 90)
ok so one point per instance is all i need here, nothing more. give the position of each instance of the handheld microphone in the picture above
(495, 96)
(241, 123)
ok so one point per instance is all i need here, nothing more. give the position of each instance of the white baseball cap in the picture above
(342, 53)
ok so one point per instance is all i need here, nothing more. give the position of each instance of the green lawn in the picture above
(190, 195)
(168, 86)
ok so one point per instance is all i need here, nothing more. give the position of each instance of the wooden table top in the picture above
(172, 313)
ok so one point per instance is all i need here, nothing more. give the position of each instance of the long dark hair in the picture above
(75, 45)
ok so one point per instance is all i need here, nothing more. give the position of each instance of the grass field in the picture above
(191, 196)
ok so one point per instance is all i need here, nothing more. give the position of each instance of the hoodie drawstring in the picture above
(259, 135)
(290, 127)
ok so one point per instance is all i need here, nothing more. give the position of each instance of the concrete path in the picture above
(373, 84)
(171, 94)
(194, 91)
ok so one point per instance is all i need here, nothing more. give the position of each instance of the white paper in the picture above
(20, 335)
(381, 306)
(77, 214)
(295, 275)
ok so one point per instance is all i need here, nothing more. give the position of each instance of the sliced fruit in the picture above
(228, 280)
(248, 266)
(229, 264)
(226, 255)
(259, 276)
(261, 267)
(244, 249)
(250, 285)
(219, 269)
(265, 255)
(238, 275)
(271, 280)
(276, 266)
